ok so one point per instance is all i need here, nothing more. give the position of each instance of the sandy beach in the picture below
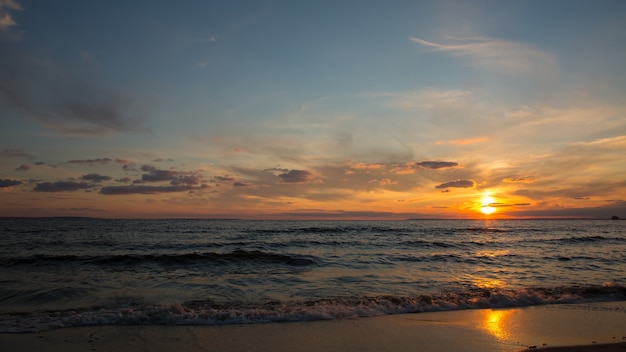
(586, 327)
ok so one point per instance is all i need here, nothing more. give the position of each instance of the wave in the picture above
(211, 313)
(237, 256)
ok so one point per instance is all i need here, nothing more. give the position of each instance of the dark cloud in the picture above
(241, 184)
(174, 177)
(129, 167)
(123, 179)
(4, 183)
(91, 162)
(61, 186)
(437, 164)
(135, 189)
(296, 176)
(96, 178)
(160, 175)
(225, 178)
(186, 180)
(15, 153)
(22, 167)
(148, 168)
(458, 184)
(69, 105)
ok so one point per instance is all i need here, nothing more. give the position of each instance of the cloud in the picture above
(22, 167)
(53, 98)
(160, 175)
(4, 183)
(135, 189)
(437, 164)
(61, 186)
(384, 182)
(496, 55)
(296, 176)
(174, 177)
(15, 153)
(225, 178)
(123, 179)
(363, 166)
(610, 142)
(101, 161)
(96, 178)
(6, 19)
(520, 179)
(458, 183)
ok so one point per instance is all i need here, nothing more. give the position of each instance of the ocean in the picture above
(65, 272)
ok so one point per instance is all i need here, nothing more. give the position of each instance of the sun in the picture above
(485, 206)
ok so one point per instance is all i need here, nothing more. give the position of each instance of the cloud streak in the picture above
(15, 153)
(96, 178)
(458, 184)
(141, 189)
(437, 164)
(62, 186)
(495, 54)
(5, 183)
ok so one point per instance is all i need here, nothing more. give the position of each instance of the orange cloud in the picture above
(520, 179)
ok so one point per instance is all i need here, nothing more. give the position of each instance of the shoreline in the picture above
(587, 327)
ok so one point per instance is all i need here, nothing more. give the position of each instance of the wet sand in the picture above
(586, 327)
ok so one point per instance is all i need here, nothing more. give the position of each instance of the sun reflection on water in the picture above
(496, 323)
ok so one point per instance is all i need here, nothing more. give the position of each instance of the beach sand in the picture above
(588, 327)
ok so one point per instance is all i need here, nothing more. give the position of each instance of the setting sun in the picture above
(485, 206)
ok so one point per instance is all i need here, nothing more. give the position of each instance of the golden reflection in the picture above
(489, 283)
(496, 323)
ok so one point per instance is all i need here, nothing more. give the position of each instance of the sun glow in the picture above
(485, 206)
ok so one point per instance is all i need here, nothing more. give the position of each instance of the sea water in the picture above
(61, 272)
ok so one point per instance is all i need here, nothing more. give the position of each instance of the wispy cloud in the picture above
(495, 54)
(6, 18)
(15, 153)
(609, 142)
(66, 105)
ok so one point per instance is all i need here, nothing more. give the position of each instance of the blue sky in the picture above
(312, 109)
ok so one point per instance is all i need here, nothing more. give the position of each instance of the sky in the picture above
(313, 109)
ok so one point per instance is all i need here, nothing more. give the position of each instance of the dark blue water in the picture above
(73, 271)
